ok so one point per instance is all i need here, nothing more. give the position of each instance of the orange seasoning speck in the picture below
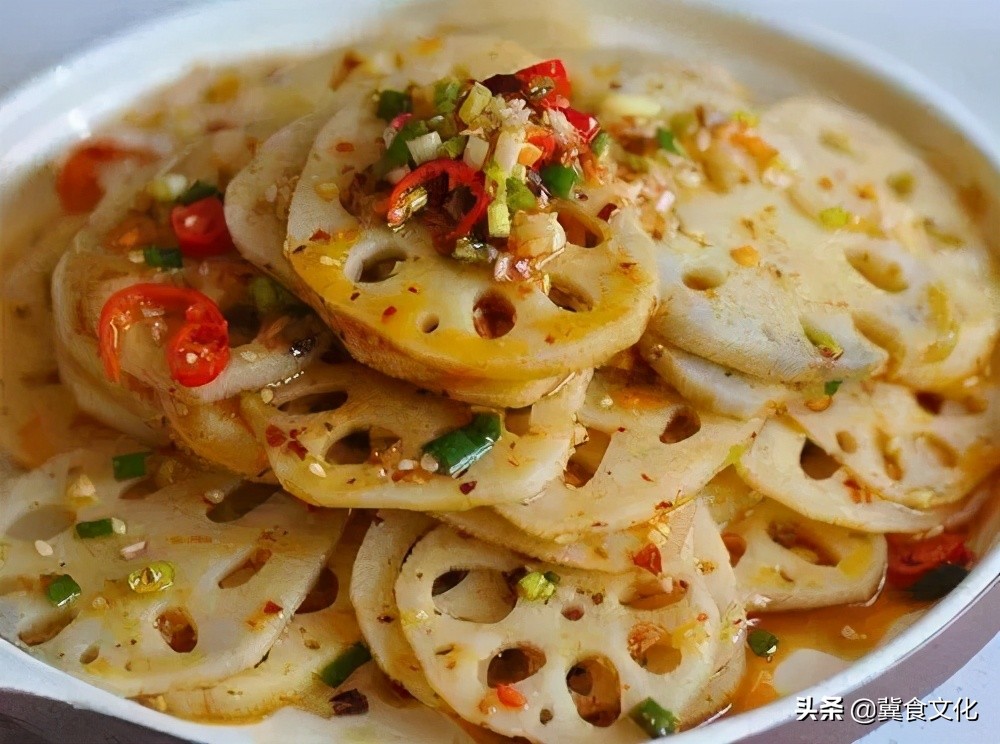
(510, 697)
(345, 147)
(388, 313)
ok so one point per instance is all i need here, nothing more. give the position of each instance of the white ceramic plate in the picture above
(773, 59)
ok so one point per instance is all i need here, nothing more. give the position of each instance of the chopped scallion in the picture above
(446, 95)
(519, 196)
(62, 590)
(475, 102)
(155, 577)
(163, 258)
(559, 180)
(392, 103)
(397, 154)
(834, 218)
(668, 141)
(337, 671)
(128, 466)
(452, 148)
(601, 145)
(197, 191)
(535, 585)
(424, 148)
(825, 343)
(459, 449)
(653, 718)
(498, 219)
(762, 643)
(902, 183)
(831, 387)
(96, 528)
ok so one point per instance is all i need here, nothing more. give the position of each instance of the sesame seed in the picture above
(215, 495)
(326, 260)
(136, 256)
(118, 526)
(267, 395)
(190, 357)
(43, 548)
(99, 603)
(248, 356)
(428, 463)
(407, 465)
(316, 469)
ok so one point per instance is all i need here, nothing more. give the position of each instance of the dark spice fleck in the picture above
(467, 488)
(350, 703)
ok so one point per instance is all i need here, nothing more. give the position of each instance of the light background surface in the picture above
(954, 43)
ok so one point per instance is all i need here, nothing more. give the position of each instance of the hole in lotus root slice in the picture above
(900, 450)
(513, 665)
(771, 467)
(240, 501)
(429, 322)
(567, 295)
(581, 229)
(170, 526)
(586, 459)
(478, 596)
(651, 648)
(42, 524)
(639, 476)
(385, 546)
(651, 594)
(885, 274)
(596, 691)
(703, 278)
(45, 629)
(309, 456)
(683, 424)
(90, 654)
(846, 442)
(791, 562)
(246, 570)
(177, 629)
(379, 322)
(321, 628)
(589, 677)
(379, 267)
(933, 403)
(816, 463)
(736, 546)
(329, 401)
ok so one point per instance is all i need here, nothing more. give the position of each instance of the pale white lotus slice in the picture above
(406, 310)
(711, 386)
(143, 643)
(373, 581)
(609, 551)
(648, 451)
(597, 647)
(322, 627)
(790, 562)
(308, 424)
(916, 449)
(727, 496)
(772, 466)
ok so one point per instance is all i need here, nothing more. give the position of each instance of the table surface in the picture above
(954, 44)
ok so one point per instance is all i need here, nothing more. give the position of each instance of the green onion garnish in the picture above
(535, 585)
(834, 218)
(155, 577)
(902, 183)
(62, 590)
(519, 196)
(446, 95)
(831, 387)
(97, 528)
(197, 191)
(498, 219)
(459, 449)
(600, 145)
(163, 258)
(653, 718)
(762, 643)
(825, 343)
(479, 95)
(397, 154)
(337, 671)
(559, 180)
(392, 103)
(132, 465)
(667, 141)
(269, 297)
(453, 147)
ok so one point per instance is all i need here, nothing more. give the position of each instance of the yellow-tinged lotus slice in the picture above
(373, 580)
(785, 561)
(403, 308)
(648, 451)
(772, 466)
(147, 616)
(321, 628)
(711, 386)
(311, 426)
(916, 449)
(580, 658)
(612, 552)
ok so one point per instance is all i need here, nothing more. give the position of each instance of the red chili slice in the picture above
(459, 174)
(650, 559)
(201, 228)
(545, 141)
(78, 183)
(555, 70)
(585, 124)
(510, 697)
(909, 560)
(197, 353)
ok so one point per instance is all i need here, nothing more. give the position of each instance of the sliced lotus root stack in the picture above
(321, 628)
(406, 310)
(373, 580)
(146, 616)
(784, 561)
(609, 551)
(648, 451)
(813, 484)
(917, 449)
(342, 435)
(569, 667)
(711, 386)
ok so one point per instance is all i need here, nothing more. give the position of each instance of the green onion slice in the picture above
(458, 450)
(163, 258)
(155, 577)
(519, 196)
(392, 103)
(825, 343)
(762, 643)
(96, 528)
(132, 465)
(535, 585)
(831, 387)
(601, 145)
(653, 718)
(337, 671)
(453, 147)
(667, 141)
(446, 95)
(559, 180)
(62, 590)
(398, 154)
(197, 191)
